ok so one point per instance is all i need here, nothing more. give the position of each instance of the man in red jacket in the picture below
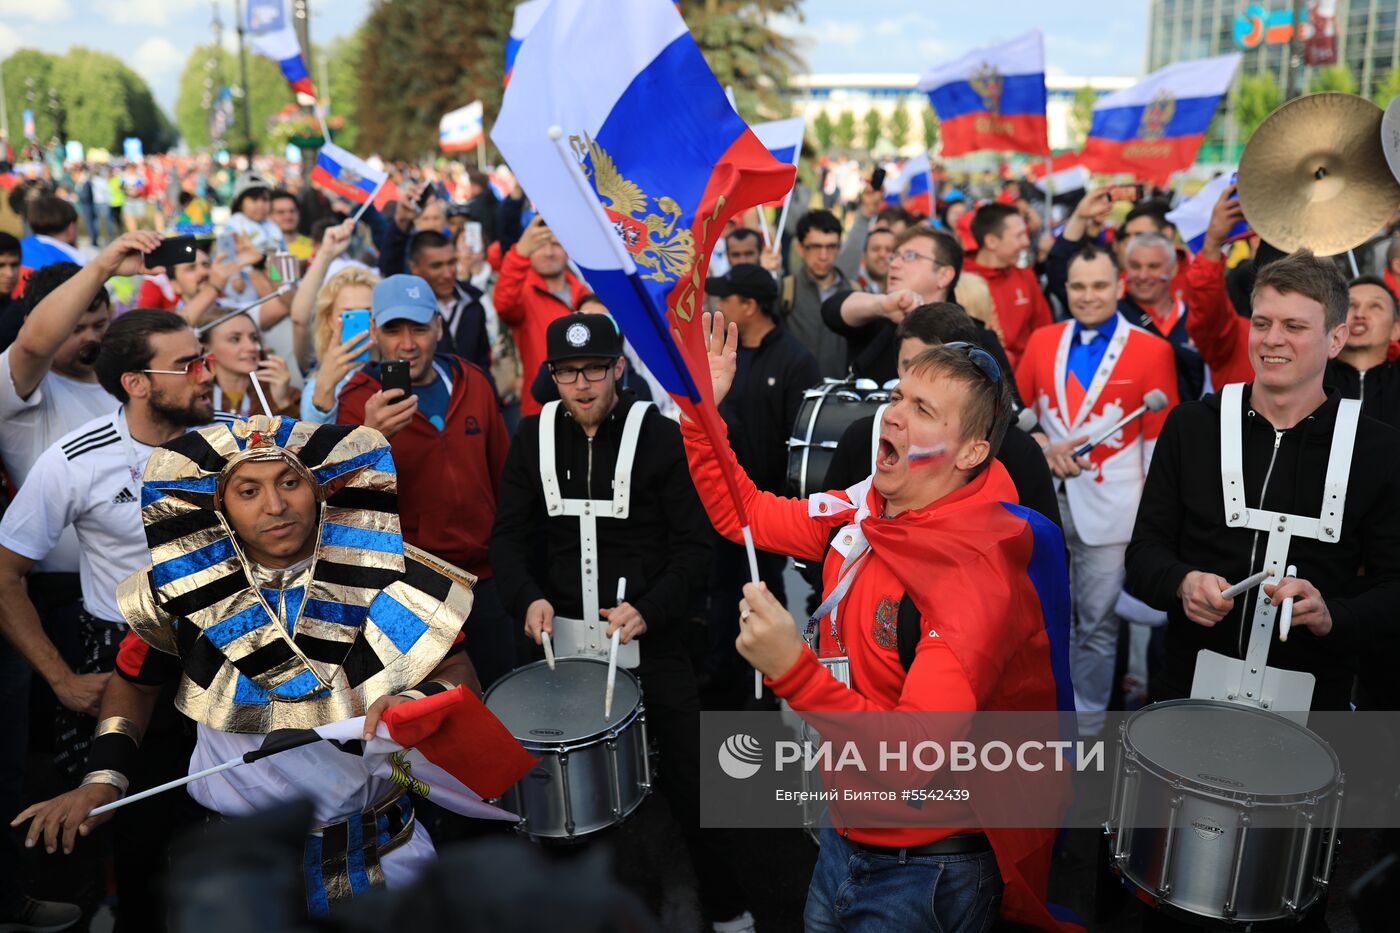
(937, 523)
(534, 287)
(449, 442)
(1218, 332)
(1000, 232)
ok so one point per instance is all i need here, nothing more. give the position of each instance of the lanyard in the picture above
(831, 604)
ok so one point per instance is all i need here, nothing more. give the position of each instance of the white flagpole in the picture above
(168, 785)
(354, 218)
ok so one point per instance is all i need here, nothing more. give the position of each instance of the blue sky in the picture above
(1082, 37)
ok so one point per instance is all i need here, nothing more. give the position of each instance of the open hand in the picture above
(722, 350)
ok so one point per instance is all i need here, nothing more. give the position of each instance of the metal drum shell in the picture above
(825, 414)
(586, 783)
(1225, 853)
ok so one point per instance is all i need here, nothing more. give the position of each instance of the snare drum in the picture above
(825, 415)
(1223, 811)
(593, 772)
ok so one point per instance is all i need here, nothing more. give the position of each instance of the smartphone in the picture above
(172, 251)
(393, 374)
(877, 180)
(473, 235)
(1132, 193)
(353, 323)
(422, 197)
(225, 247)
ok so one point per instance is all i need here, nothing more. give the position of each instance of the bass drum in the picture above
(826, 413)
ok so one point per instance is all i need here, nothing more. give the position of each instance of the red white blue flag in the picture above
(282, 47)
(993, 98)
(1156, 126)
(526, 15)
(352, 177)
(461, 129)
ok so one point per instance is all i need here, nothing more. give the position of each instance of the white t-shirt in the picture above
(30, 426)
(91, 480)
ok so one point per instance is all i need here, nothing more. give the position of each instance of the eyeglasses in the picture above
(193, 370)
(568, 375)
(909, 255)
(986, 364)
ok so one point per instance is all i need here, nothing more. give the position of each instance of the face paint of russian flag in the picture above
(1156, 126)
(283, 48)
(665, 161)
(526, 15)
(992, 98)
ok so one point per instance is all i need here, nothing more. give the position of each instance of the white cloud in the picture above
(156, 58)
(933, 49)
(838, 31)
(42, 11)
(146, 12)
(897, 26)
(10, 39)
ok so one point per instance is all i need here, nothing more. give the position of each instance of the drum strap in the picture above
(587, 511)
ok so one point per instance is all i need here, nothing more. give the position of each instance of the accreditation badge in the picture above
(840, 668)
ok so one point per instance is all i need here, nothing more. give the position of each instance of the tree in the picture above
(267, 92)
(930, 128)
(343, 58)
(1081, 116)
(28, 77)
(871, 125)
(824, 130)
(844, 136)
(1332, 78)
(745, 52)
(897, 127)
(1257, 97)
(104, 102)
(1387, 88)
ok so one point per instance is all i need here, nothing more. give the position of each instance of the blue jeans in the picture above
(854, 891)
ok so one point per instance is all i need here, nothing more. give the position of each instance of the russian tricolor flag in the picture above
(351, 177)
(993, 98)
(783, 138)
(282, 47)
(1192, 216)
(526, 15)
(914, 185)
(1156, 126)
(462, 129)
(617, 128)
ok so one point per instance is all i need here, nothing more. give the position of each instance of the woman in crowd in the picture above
(236, 347)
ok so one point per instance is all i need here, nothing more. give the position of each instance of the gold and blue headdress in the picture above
(369, 616)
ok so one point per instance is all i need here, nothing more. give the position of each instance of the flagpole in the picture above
(763, 223)
(354, 218)
(707, 415)
(168, 785)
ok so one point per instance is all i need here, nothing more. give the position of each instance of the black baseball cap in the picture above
(747, 280)
(580, 336)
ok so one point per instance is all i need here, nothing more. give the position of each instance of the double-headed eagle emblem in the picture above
(652, 237)
(989, 82)
(1156, 115)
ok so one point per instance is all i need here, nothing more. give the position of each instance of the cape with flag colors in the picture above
(1156, 126)
(992, 98)
(352, 177)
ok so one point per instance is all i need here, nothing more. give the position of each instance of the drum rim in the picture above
(614, 729)
(1214, 790)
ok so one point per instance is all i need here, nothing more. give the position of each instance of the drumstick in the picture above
(612, 653)
(1248, 583)
(1285, 618)
(548, 648)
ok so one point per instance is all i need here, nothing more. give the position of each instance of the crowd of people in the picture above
(433, 398)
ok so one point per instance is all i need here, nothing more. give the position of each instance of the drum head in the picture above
(563, 705)
(1232, 749)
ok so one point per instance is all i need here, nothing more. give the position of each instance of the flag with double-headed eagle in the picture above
(992, 98)
(351, 177)
(1156, 126)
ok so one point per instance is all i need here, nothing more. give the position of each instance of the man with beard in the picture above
(91, 480)
(600, 478)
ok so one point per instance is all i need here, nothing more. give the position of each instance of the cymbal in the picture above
(1315, 174)
(1390, 135)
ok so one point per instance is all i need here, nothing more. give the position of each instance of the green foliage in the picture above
(824, 130)
(930, 128)
(844, 136)
(88, 96)
(343, 74)
(267, 93)
(746, 53)
(1387, 88)
(1332, 78)
(1081, 116)
(897, 127)
(1257, 97)
(870, 129)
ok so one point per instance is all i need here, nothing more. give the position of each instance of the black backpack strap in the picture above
(907, 630)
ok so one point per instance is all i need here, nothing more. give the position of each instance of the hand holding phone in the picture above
(394, 375)
(172, 251)
(353, 323)
(1133, 193)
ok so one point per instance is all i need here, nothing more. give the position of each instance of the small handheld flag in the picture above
(351, 177)
(283, 48)
(461, 130)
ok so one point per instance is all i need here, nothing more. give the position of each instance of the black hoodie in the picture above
(1378, 388)
(1181, 527)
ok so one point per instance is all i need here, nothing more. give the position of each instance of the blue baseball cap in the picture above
(403, 298)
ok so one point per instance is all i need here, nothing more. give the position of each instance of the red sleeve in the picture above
(509, 296)
(151, 296)
(139, 663)
(497, 439)
(1212, 324)
(1025, 373)
(936, 681)
(779, 525)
